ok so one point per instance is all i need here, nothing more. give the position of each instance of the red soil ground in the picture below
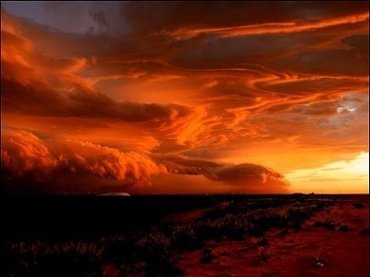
(339, 249)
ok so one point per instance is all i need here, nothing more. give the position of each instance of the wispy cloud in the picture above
(128, 88)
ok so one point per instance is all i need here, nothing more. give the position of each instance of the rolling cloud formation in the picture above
(98, 95)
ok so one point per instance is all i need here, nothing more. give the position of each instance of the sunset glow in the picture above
(185, 97)
(339, 173)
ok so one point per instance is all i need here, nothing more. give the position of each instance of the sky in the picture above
(185, 97)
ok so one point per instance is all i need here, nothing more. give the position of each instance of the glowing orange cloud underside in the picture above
(155, 108)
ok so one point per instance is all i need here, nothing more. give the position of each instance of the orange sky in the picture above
(185, 97)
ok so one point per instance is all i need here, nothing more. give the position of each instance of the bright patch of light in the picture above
(358, 166)
(348, 108)
(341, 176)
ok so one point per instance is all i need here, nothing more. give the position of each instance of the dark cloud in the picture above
(328, 62)
(48, 88)
(358, 42)
(73, 17)
(195, 87)
(157, 16)
(253, 177)
(68, 165)
(189, 166)
(99, 18)
(244, 171)
(82, 103)
(248, 177)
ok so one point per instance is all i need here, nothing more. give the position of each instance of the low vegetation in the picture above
(151, 251)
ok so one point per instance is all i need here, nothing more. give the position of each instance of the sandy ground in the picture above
(339, 248)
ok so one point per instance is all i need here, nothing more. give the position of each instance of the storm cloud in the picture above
(231, 94)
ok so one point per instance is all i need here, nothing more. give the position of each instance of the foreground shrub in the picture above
(150, 252)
